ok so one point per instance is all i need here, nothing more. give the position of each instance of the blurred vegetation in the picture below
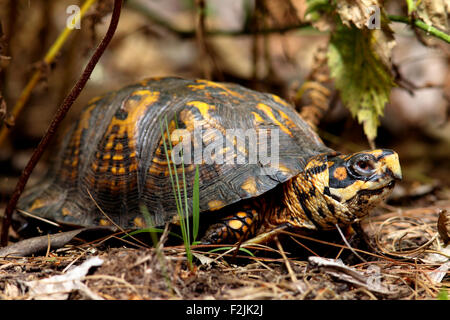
(336, 61)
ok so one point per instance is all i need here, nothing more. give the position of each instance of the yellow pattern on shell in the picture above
(268, 111)
(215, 204)
(249, 185)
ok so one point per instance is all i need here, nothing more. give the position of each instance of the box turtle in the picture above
(113, 158)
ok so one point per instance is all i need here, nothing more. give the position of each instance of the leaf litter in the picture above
(410, 261)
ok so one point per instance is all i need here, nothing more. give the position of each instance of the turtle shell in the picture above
(114, 158)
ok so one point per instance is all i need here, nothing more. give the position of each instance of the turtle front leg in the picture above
(239, 226)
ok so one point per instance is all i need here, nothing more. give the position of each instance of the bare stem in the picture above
(34, 80)
(423, 26)
(249, 31)
(60, 114)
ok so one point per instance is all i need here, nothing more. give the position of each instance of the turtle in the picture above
(261, 167)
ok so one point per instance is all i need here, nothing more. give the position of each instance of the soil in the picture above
(404, 249)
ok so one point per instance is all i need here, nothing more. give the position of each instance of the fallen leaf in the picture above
(357, 12)
(371, 280)
(58, 287)
(439, 274)
(434, 13)
(203, 259)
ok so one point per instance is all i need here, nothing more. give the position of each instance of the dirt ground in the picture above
(404, 263)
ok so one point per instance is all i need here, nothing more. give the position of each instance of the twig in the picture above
(48, 59)
(249, 31)
(60, 114)
(336, 245)
(429, 29)
(185, 34)
(49, 245)
(286, 260)
(348, 244)
(200, 36)
(38, 218)
(305, 247)
(404, 253)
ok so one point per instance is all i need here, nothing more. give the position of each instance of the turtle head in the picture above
(361, 180)
(340, 189)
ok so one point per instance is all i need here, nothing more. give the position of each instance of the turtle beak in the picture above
(391, 163)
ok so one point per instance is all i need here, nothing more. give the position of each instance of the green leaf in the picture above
(443, 294)
(319, 13)
(183, 213)
(151, 230)
(317, 5)
(359, 66)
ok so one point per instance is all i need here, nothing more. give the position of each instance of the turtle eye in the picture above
(363, 165)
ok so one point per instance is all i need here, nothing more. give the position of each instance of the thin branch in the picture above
(429, 29)
(251, 31)
(34, 80)
(209, 33)
(200, 36)
(60, 114)
(286, 260)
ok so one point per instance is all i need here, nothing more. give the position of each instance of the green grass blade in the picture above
(152, 230)
(182, 211)
(168, 164)
(186, 211)
(228, 248)
(186, 207)
(149, 222)
(175, 173)
(443, 294)
(196, 205)
(177, 193)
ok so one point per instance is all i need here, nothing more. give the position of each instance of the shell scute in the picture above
(114, 157)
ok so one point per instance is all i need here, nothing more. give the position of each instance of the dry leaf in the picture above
(439, 274)
(434, 12)
(371, 280)
(357, 11)
(58, 287)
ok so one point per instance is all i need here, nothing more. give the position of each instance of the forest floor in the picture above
(408, 260)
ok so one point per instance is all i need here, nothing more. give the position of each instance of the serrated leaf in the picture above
(316, 5)
(361, 75)
(318, 13)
